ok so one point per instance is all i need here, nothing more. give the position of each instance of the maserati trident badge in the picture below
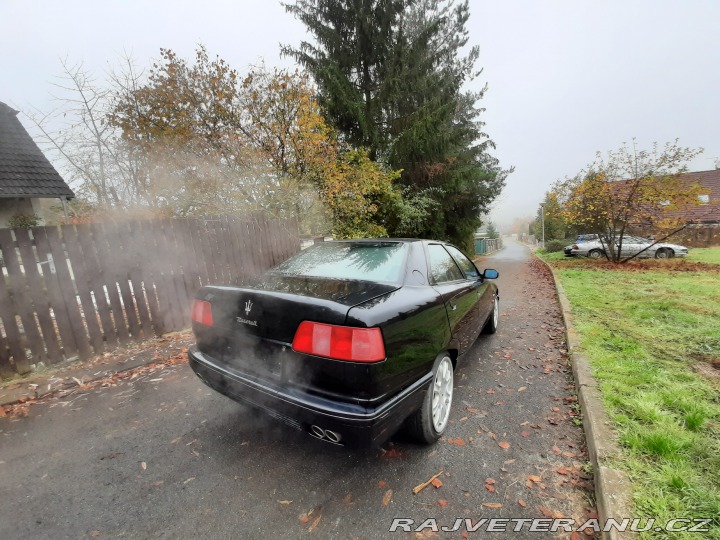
(248, 307)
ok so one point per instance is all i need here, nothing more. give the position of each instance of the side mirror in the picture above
(490, 274)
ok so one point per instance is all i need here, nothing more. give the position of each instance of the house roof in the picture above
(709, 181)
(24, 169)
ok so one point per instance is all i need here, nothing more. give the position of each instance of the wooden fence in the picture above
(75, 291)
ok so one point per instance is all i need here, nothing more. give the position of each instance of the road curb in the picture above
(613, 492)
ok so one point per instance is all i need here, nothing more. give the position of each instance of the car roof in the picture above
(375, 240)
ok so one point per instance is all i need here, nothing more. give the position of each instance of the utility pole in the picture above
(542, 213)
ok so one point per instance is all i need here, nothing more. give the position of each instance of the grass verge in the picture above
(706, 255)
(652, 336)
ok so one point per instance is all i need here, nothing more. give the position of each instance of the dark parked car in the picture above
(348, 340)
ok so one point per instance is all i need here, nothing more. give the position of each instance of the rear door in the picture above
(459, 294)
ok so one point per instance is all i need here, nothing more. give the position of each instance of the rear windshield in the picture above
(381, 261)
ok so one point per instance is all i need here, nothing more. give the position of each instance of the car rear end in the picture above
(282, 344)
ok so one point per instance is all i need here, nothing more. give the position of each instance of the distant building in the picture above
(704, 218)
(26, 175)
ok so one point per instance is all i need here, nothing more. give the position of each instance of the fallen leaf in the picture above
(492, 505)
(562, 470)
(303, 518)
(549, 513)
(522, 388)
(464, 534)
(392, 453)
(472, 410)
(189, 480)
(491, 391)
(315, 523)
(490, 488)
(94, 534)
(504, 445)
(457, 441)
(522, 503)
(556, 450)
(555, 409)
(382, 484)
(525, 433)
(284, 502)
(387, 497)
(417, 489)
(442, 502)
(143, 465)
(490, 481)
(437, 483)
(348, 498)
(534, 478)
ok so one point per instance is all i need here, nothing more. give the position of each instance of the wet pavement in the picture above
(159, 455)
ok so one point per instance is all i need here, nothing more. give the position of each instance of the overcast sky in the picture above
(566, 78)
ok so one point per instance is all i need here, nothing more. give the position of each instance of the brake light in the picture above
(339, 342)
(202, 312)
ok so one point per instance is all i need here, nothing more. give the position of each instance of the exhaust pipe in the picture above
(332, 436)
(317, 431)
(325, 434)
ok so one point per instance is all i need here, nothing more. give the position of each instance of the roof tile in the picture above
(24, 169)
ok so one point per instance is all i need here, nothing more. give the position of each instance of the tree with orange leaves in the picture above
(630, 189)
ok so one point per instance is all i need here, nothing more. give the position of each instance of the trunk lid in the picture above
(254, 324)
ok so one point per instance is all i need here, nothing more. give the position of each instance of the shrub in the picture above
(553, 246)
(23, 221)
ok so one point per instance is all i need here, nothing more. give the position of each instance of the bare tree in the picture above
(89, 149)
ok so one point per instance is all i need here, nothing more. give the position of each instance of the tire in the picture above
(423, 425)
(491, 325)
(664, 253)
(596, 254)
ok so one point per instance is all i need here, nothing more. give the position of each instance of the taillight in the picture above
(202, 312)
(339, 342)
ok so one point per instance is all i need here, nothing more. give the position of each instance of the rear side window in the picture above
(465, 264)
(380, 261)
(442, 265)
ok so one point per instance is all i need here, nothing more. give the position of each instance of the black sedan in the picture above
(348, 340)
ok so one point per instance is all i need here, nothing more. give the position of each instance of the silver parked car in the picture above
(630, 246)
(580, 239)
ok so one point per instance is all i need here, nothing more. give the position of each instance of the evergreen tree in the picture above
(390, 75)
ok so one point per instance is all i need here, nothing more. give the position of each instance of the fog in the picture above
(565, 78)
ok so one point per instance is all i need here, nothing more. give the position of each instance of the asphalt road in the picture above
(162, 456)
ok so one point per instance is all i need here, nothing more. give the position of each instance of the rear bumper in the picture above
(359, 426)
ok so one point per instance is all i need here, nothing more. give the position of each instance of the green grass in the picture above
(645, 334)
(706, 255)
